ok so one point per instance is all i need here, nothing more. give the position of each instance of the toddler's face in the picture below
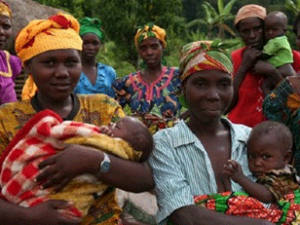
(273, 28)
(265, 154)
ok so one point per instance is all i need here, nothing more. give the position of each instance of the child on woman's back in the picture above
(277, 50)
(269, 154)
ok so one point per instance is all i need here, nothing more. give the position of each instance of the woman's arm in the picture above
(112, 78)
(75, 160)
(250, 56)
(195, 215)
(127, 175)
(43, 214)
(268, 71)
(256, 190)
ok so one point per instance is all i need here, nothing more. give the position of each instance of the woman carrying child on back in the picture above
(277, 51)
(250, 70)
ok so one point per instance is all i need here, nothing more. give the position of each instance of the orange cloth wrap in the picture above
(39, 36)
(249, 11)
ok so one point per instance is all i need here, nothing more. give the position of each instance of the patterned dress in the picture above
(283, 184)
(156, 104)
(284, 212)
(94, 109)
(282, 105)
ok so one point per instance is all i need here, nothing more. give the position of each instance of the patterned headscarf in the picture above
(5, 9)
(91, 25)
(249, 11)
(204, 55)
(150, 30)
(58, 32)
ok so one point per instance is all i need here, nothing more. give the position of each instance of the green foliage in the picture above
(108, 55)
(215, 18)
(184, 20)
(294, 7)
(75, 7)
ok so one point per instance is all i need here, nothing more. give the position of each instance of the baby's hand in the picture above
(233, 170)
(106, 130)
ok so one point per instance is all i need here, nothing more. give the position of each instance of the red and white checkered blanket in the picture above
(41, 137)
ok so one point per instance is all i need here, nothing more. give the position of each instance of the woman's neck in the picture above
(151, 74)
(88, 62)
(62, 108)
(200, 128)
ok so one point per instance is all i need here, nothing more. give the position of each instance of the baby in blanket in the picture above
(269, 155)
(45, 135)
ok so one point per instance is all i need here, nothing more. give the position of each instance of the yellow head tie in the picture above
(150, 30)
(58, 32)
(5, 10)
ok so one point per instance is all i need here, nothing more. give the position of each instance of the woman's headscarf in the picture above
(150, 30)
(249, 11)
(5, 9)
(60, 31)
(204, 55)
(91, 25)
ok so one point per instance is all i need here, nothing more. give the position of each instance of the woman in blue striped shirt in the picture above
(188, 159)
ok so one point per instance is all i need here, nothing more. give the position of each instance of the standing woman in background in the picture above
(151, 93)
(10, 66)
(95, 77)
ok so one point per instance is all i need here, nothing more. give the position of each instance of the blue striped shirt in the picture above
(182, 168)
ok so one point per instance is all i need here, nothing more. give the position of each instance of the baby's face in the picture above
(124, 128)
(274, 27)
(264, 154)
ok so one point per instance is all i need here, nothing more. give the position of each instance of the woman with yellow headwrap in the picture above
(10, 66)
(151, 93)
(189, 158)
(95, 76)
(50, 51)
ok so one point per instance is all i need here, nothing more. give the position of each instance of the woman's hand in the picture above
(250, 56)
(106, 130)
(47, 213)
(60, 169)
(267, 70)
(263, 68)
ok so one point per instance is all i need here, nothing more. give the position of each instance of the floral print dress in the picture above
(157, 103)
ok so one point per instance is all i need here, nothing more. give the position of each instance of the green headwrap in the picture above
(91, 25)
